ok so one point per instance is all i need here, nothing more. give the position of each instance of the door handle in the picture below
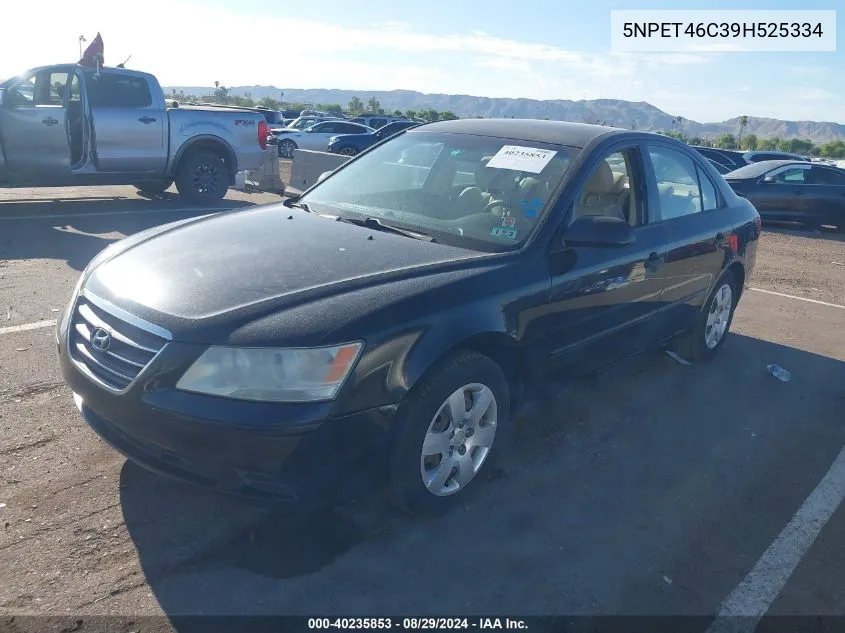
(147, 119)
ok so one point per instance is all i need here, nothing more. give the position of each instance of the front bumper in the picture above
(276, 451)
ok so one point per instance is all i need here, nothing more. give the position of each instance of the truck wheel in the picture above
(154, 188)
(202, 177)
(286, 148)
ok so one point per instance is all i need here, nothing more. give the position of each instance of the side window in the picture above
(827, 177)
(111, 90)
(709, 194)
(44, 88)
(345, 128)
(609, 189)
(795, 176)
(324, 128)
(677, 183)
(377, 123)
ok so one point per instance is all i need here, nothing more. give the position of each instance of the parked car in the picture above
(413, 318)
(69, 125)
(377, 121)
(727, 157)
(304, 122)
(291, 114)
(317, 136)
(721, 168)
(756, 157)
(352, 144)
(794, 191)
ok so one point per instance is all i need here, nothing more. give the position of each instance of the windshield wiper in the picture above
(377, 225)
(299, 205)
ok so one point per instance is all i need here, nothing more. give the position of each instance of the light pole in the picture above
(81, 40)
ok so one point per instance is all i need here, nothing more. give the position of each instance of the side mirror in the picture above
(599, 230)
(768, 178)
(323, 176)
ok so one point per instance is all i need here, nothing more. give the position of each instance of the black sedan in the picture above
(397, 317)
(793, 191)
(352, 144)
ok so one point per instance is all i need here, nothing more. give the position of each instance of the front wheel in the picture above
(712, 323)
(286, 148)
(451, 426)
(202, 177)
(348, 151)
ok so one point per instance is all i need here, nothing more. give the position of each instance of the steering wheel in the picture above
(496, 203)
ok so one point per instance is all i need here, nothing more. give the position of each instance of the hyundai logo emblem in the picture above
(100, 339)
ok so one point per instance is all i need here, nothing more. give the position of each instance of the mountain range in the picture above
(614, 112)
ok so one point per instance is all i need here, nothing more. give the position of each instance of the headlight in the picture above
(271, 374)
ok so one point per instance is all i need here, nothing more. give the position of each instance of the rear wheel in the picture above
(712, 322)
(452, 425)
(154, 188)
(202, 177)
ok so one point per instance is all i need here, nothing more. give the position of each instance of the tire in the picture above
(696, 344)
(347, 151)
(427, 408)
(286, 148)
(154, 188)
(202, 177)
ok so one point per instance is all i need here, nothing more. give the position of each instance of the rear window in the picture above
(117, 91)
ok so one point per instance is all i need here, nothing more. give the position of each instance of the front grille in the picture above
(130, 350)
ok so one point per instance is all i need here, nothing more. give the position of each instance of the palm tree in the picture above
(743, 121)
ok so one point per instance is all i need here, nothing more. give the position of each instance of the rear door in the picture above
(34, 126)
(605, 301)
(129, 123)
(826, 196)
(698, 228)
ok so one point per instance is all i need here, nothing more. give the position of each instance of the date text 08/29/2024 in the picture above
(417, 624)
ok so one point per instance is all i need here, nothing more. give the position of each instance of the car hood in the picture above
(242, 264)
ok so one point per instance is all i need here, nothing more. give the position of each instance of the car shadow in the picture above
(621, 434)
(39, 230)
(792, 228)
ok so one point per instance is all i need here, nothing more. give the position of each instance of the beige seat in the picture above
(600, 195)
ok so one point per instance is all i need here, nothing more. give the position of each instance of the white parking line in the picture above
(780, 294)
(749, 601)
(55, 216)
(11, 329)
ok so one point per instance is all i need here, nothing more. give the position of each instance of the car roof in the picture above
(540, 131)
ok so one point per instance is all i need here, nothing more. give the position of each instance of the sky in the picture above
(539, 49)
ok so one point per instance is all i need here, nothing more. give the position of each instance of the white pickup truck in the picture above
(71, 125)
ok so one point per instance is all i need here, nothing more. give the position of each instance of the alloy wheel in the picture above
(719, 316)
(458, 439)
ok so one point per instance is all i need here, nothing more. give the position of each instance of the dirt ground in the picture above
(651, 489)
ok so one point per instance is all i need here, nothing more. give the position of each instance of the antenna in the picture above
(123, 63)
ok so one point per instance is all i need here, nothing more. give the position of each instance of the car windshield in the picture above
(476, 192)
(749, 171)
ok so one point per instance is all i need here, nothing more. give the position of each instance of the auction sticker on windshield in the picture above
(517, 158)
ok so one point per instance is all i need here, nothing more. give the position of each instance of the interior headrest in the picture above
(619, 182)
(601, 181)
(483, 175)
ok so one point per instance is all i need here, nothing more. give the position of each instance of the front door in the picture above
(605, 300)
(129, 124)
(782, 196)
(33, 122)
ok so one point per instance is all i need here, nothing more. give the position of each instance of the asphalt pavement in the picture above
(654, 488)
